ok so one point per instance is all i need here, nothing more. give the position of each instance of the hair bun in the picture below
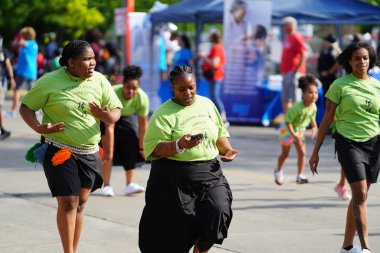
(306, 80)
(132, 72)
(62, 61)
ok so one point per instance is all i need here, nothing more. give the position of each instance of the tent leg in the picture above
(198, 31)
(339, 34)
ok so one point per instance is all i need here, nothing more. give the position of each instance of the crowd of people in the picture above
(24, 61)
(89, 125)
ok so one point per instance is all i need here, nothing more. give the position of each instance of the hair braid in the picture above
(179, 71)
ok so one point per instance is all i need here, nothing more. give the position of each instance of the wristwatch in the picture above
(177, 148)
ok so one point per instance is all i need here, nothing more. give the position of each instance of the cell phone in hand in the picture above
(197, 137)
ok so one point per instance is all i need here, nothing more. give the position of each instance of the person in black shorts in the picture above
(356, 99)
(74, 99)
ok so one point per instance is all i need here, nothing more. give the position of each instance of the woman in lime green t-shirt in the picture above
(356, 99)
(123, 141)
(73, 99)
(188, 199)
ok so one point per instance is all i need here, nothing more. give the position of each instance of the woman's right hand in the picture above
(47, 128)
(187, 143)
(313, 162)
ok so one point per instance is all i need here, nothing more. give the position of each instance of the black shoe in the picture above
(4, 134)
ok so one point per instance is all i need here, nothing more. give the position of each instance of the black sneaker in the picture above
(4, 134)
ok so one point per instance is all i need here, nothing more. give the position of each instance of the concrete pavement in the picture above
(267, 218)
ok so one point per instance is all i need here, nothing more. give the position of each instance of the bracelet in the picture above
(141, 149)
(177, 148)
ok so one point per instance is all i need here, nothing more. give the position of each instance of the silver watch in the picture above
(177, 148)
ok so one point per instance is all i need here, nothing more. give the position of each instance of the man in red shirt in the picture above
(293, 63)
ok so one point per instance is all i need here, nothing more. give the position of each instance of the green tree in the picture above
(374, 2)
(106, 9)
(69, 18)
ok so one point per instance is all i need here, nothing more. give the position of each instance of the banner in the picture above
(143, 53)
(246, 26)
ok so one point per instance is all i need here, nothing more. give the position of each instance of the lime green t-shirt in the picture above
(138, 104)
(172, 121)
(300, 116)
(358, 101)
(65, 98)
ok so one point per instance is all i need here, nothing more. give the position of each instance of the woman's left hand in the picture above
(229, 156)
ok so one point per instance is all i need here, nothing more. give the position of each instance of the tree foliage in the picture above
(69, 19)
(374, 2)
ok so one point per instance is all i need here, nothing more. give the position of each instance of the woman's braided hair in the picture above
(73, 50)
(179, 71)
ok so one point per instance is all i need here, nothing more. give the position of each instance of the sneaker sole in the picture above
(136, 192)
(278, 182)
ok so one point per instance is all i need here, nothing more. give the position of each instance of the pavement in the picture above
(267, 217)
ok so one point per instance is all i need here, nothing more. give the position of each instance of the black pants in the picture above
(183, 207)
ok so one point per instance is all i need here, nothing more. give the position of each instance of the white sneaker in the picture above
(355, 249)
(107, 191)
(302, 179)
(278, 177)
(366, 251)
(133, 188)
(11, 114)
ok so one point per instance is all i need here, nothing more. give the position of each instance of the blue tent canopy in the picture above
(305, 11)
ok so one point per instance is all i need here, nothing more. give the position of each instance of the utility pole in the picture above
(130, 7)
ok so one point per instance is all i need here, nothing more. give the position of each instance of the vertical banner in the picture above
(145, 55)
(141, 50)
(246, 26)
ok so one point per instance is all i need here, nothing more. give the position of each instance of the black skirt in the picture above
(185, 202)
(126, 143)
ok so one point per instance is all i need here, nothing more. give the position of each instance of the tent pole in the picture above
(198, 31)
(151, 60)
(339, 34)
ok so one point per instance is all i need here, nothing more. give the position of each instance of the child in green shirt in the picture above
(297, 118)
